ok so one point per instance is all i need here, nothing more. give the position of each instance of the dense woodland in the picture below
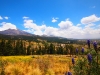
(36, 45)
(23, 47)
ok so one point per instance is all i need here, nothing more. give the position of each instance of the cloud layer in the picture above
(66, 28)
(86, 29)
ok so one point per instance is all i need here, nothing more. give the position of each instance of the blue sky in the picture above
(64, 18)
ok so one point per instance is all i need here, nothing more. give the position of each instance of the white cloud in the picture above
(28, 30)
(90, 19)
(89, 25)
(65, 29)
(25, 17)
(36, 29)
(30, 24)
(1, 18)
(51, 31)
(54, 19)
(5, 26)
(6, 18)
(65, 24)
(78, 25)
(39, 29)
(38, 32)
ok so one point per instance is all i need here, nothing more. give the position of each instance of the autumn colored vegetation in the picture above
(23, 57)
(35, 65)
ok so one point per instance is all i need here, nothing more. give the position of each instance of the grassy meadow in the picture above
(35, 65)
(49, 58)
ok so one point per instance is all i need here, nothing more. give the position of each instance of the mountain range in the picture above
(19, 34)
(15, 32)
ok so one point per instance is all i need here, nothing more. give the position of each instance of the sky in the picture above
(79, 19)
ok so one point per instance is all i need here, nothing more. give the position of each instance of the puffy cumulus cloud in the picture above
(33, 27)
(39, 29)
(38, 32)
(89, 25)
(54, 19)
(5, 26)
(1, 18)
(65, 24)
(91, 33)
(90, 19)
(51, 31)
(65, 29)
(30, 24)
(6, 18)
(80, 32)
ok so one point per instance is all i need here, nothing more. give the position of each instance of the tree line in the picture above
(20, 47)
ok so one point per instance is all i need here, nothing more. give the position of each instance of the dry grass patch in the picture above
(36, 65)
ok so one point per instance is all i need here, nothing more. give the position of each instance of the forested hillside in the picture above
(25, 47)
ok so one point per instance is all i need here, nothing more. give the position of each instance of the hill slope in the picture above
(14, 32)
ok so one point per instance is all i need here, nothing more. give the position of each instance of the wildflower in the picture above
(95, 46)
(88, 42)
(73, 61)
(82, 50)
(68, 73)
(89, 57)
(76, 50)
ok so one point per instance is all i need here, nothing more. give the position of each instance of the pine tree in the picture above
(33, 51)
(9, 48)
(29, 50)
(2, 47)
(66, 50)
(71, 48)
(45, 51)
(22, 49)
(39, 50)
(52, 49)
(17, 48)
(60, 50)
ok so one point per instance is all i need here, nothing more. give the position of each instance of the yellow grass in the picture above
(35, 65)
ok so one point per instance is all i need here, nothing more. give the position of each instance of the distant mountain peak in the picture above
(15, 32)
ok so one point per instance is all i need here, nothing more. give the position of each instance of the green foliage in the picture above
(84, 67)
(9, 48)
(60, 50)
(51, 49)
(29, 50)
(71, 48)
(23, 47)
(80, 66)
(2, 47)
